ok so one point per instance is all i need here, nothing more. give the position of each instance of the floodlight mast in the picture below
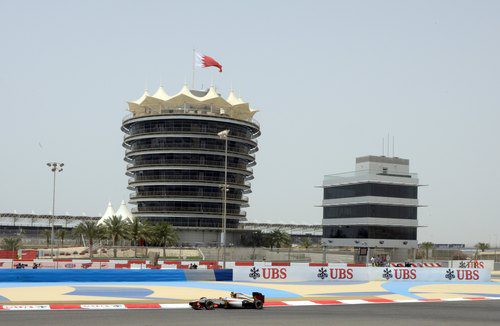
(224, 135)
(54, 167)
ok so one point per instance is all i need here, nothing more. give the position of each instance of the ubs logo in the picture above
(471, 264)
(335, 273)
(387, 274)
(272, 273)
(467, 275)
(254, 273)
(400, 274)
(462, 274)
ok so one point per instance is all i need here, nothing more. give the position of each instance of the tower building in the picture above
(176, 159)
(373, 207)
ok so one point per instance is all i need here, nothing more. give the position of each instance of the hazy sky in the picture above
(330, 80)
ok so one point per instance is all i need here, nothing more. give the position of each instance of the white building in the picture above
(373, 207)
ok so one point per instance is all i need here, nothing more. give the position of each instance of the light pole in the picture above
(367, 252)
(223, 135)
(54, 167)
(496, 246)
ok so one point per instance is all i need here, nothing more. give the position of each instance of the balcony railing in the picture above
(346, 176)
(189, 112)
(179, 194)
(199, 148)
(242, 167)
(188, 210)
(178, 178)
(164, 130)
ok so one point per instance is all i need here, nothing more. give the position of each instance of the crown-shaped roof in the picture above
(211, 101)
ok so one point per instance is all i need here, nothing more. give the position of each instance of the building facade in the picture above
(373, 207)
(176, 159)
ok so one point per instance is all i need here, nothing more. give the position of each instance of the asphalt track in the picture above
(433, 313)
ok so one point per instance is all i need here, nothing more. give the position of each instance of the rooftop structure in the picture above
(188, 101)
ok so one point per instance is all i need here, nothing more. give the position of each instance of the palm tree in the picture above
(482, 246)
(306, 243)
(165, 235)
(116, 229)
(279, 238)
(61, 234)
(137, 231)
(77, 234)
(11, 244)
(91, 231)
(427, 246)
(48, 236)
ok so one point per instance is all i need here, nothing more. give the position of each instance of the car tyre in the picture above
(258, 304)
(209, 305)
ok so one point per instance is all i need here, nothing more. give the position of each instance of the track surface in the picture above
(448, 313)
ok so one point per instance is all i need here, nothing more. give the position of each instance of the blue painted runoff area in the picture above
(113, 275)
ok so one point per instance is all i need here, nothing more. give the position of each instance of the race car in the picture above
(235, 300)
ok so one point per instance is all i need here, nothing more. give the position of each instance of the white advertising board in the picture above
(262, 273)
(486, 264)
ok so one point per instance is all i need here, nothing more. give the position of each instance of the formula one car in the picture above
(235, 300)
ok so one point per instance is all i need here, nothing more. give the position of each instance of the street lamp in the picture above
(496, 246)
(224, 135)
(367, 252)
(54, 167)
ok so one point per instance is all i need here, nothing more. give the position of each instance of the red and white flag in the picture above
(205, 61)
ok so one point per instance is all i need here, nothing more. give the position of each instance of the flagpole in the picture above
(194, 53)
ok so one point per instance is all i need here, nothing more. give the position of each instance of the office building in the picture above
(373, 207)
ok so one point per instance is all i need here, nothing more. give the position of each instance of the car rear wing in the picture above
(258, 296)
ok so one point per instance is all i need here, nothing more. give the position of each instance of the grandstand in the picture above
(32, 225)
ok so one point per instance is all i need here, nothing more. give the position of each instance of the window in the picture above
(371, 189)
(370, 232)
(370, 210)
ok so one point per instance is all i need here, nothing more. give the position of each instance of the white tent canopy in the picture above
(123, 212)
(107, 214)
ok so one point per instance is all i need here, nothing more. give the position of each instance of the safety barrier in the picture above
(486, 264)
(417, 264)
(104, 264)
(125, 275)
(262, 272)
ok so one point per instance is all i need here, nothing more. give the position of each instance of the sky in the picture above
(330, 78)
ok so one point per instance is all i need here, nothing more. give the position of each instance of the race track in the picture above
(182, 292)
(433, 313)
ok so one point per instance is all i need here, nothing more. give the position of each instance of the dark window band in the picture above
(370, 232)
(371, 189)
(370, 210)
